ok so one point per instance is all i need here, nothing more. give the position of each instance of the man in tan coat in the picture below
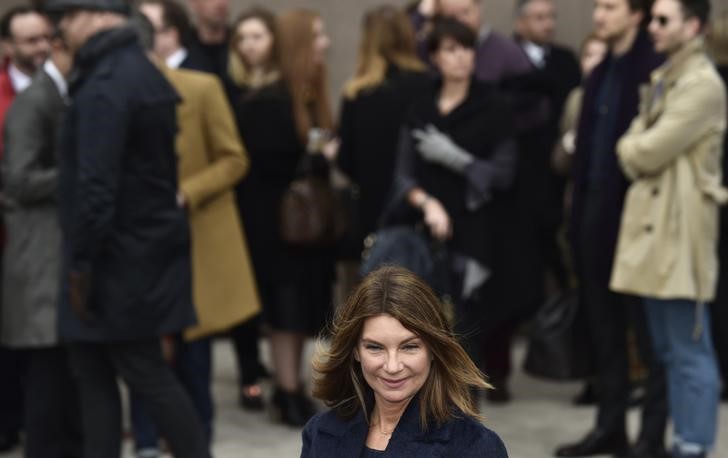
(668, 238)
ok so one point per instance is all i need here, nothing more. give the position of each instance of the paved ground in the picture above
(538, 420)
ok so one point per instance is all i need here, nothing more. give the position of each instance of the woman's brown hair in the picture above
(397, 292)
(237, 68)
(306, 80)
(387, 39)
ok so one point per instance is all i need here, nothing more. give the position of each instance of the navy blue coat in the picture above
(639, 63)
(328, 435)
(118, 187)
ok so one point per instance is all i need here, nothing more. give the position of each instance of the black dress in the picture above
(294, 283)
(369, 131)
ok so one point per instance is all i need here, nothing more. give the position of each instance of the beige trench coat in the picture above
(672, 152)
(212, 162)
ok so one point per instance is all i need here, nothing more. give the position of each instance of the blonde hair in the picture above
(306, 80)
(387, 39)
(717, 39)
(238, 70)
(395, 291)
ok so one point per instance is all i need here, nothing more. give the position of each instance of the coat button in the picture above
(655, 192)
(604, 109)
(649, 228)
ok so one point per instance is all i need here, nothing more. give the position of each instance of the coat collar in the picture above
(681, 62)
(350, 435)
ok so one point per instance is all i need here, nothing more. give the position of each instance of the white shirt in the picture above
(536, 54)
(18, 79)
(50, 68)
(176, 59)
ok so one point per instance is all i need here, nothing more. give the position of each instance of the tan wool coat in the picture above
(667, 246)
(212, 161)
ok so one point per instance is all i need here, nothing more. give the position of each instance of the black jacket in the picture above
(482, 125)
(119, 214)
(638, 63)
(369, 131)
(328, 435)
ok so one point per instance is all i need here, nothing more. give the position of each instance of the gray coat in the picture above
(31, 260)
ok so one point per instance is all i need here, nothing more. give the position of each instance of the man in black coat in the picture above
(126, 240)
(611, 100)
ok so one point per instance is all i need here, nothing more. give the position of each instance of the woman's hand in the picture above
(437, 219)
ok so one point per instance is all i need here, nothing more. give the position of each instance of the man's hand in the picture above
(79, 287)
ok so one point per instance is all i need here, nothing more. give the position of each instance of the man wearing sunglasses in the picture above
(611, 100)
(667, 250)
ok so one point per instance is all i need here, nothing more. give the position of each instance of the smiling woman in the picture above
(396, 379)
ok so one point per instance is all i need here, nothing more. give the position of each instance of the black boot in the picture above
(646, 449)
(597, 442)
(293, 409)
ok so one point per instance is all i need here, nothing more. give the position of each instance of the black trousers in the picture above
(610, 316)
(11, 393)
(245, 338)
(141, 366)
(719, 311)
(52, 409)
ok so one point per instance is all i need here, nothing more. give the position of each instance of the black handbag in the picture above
(409, 247)
(559, 346)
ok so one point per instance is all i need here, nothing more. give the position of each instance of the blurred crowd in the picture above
(172, 175)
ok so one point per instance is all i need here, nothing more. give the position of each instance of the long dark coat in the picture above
(639, 62)
(369, 131)
(120, 219)
(328, 435)
(482, 125)
(294, 283)
(33, 250)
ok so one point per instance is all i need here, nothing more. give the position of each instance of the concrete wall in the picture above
(342, 19)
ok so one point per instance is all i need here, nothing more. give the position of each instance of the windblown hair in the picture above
(388, 39)
(397, 292)
(306, 80)
(699, 9)
(717, 39)
(238, 70)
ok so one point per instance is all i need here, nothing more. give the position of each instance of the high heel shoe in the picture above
(251, 398)
(293, 409)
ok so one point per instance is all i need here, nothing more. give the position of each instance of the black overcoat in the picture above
(121, 223)
(639, 62)
(369, 131)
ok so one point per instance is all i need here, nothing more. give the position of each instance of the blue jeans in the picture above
(692, 372)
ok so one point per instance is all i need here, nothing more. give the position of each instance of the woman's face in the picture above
(593, 54)
(254, 42)
(321, 41)
(395, 362)
(453, 60)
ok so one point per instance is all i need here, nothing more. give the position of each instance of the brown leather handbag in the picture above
(311, 213)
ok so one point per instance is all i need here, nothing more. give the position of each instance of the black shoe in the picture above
(293, 409)
(251, 398)
(597, 442)
(587, 397)
(724, 396)
(645, 449)
(9, 441)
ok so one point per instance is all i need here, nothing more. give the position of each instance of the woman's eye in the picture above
(410, 347)
(372, 347)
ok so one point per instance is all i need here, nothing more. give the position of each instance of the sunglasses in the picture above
(661, 20)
